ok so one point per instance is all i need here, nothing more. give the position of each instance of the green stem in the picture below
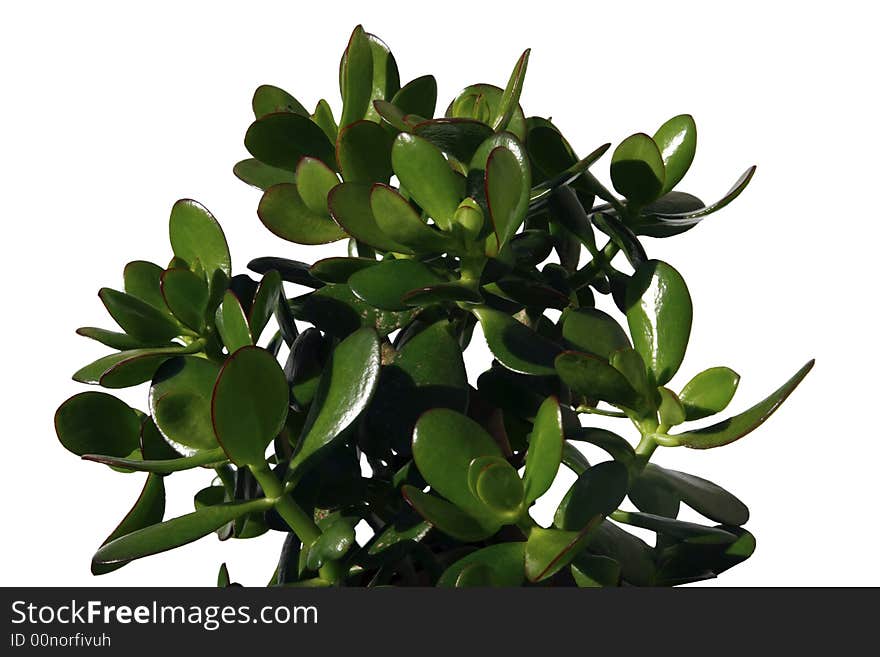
(585, 274)
(300, 522)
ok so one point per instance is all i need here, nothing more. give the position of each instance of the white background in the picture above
(110, 113)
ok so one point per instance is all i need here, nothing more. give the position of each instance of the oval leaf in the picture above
(709, 392)
(545, 450)
(637, 169)
(677, 141)
(515, 345)
(422, 169)
(180, 403)
(384, 285)
(197, 237)
(97, 423)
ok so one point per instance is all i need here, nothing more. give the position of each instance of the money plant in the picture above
(320, 398)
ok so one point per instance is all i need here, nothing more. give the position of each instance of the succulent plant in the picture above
(478, 216)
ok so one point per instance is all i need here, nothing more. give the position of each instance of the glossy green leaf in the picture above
(335, 309)
(269, 294)
(515, 345)
(186, 295)
(418, 96)
(446, 517)
(635, 557)
(138, 318)
(637, 169)
(292, 271)
(509, 102)
(207, 457)
(688, 562)
(617, 447)
(597, 491)
(507, 192)
(95, 422)
(622, 236)
(677, 141)
(197, 237)
(232, 323)
(703, 496)
(174, 533)
(591, 571)
(339, 270)
(335, 540)
(458, 137)
(397, 219)
(249, 405)
(709, 392)
(395, 119)
(350, 207)
(688, 532)
(314, 180)
(659, 313)
(422, 169)
(483, 102)
(386, 77)
(153, 445)
(594, 378)
(323, 118)
(259, 175)
(652, 494)
(736, 427)
(116, 340)
(550, 550)
(441, 293)
(426, 372)
(649, 223)
(283, 211)
(180, 403)
(356, 77)
(142, 280)
(505, 563)
(345, 390)
(148, 509)
(545, 450)
(269, 100)
(128, 368)
(688, 218)
(384, 285)
(444, 444)
(495, 482)
(363, 151)
(282, 139)
(671, 411)
(592, 331)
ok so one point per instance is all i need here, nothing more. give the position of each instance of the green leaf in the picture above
(350, 207)
(688, 562)
(687, 532)
(152, 442)
(545, 450)
(128, 368)
(345, 390)
(505, 563)
(709, 392)
(677, 141)
(283, 211)
(550, 550)
(339, 270)
(363, 150)
(592, 331)
(269, 294)
(196, 237)
(356, 77)
(635, 557)
(444, 444)
(688, 218)
(207, 457)
(591, 571)
(509, 102)
(617, 447)
(314, 180)
(259, 175)
(418, 96)
(652, 494)
(335, 540)
(116, 340)
(142, 280)
(174, 533)
(249, 405)
(138, 318)
(93, 422)
(232, 323)
(427, 176)
(427, 372)
(441, 293)
(397, 219)
(386, 77)
(637, 169)
(384, 285)
(458, 137)
(671, 411)
(703, 496)
(270, 100)
(292, 271)
(336, 310)
(659, 313)
(495, 482)
(282, 139)
(734, 428)
(595, 379)
(515, 345)
(394, 118)
(323, 118)
(446, 517)
(186, 295)
(597, 491)
(180, 403)
(148, 509)
(483, 102)
(508, 181)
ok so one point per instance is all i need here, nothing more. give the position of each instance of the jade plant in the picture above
(317, 398)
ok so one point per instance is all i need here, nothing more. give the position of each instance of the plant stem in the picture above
(300, 522)
(585, 274)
